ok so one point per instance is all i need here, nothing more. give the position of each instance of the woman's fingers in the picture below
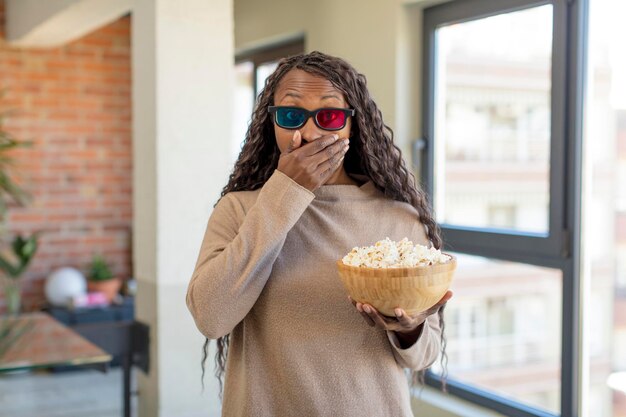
(403, 319)
(295, 142)
(363, 314)
(318, 145)
(378, 319)
(302, 162)
(366, 316)
(331, 158)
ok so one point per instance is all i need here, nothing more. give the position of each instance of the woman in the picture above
(317, 175)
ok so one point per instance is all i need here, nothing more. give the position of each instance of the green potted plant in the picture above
(13, 261)
(100, 278)
(9, 189)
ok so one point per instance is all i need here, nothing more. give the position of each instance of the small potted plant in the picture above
(100, 278)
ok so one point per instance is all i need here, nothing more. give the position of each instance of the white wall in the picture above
(183, 80)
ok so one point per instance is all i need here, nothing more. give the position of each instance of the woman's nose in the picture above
(310, 131)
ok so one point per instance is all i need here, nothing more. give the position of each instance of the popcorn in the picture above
(389, 254)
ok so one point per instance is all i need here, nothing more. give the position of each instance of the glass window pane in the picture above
(604, 212)
(492, 121)
(244, 102)
(262, 72)
(504, 330)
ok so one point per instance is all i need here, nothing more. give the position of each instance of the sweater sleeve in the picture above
(238, 252)
(424, 351)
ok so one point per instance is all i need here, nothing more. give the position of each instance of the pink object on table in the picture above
(92, 299)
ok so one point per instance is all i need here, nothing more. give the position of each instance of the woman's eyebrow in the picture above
(297, 95)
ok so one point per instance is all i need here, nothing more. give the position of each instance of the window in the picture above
(505, 330)
(500, 159)
(502, 216)
(251, 70)
(495, 128)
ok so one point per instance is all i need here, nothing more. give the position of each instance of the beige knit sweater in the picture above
(266, 274)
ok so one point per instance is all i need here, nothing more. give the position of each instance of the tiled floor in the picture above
(71, 394)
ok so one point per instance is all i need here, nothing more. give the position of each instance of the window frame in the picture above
(267, 53)
(482, 241)
(561, 247)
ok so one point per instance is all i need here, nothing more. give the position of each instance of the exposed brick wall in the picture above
(74, 102)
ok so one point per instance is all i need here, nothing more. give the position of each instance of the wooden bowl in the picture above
(412, 289)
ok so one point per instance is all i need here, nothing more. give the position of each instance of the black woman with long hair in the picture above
(318, 174)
